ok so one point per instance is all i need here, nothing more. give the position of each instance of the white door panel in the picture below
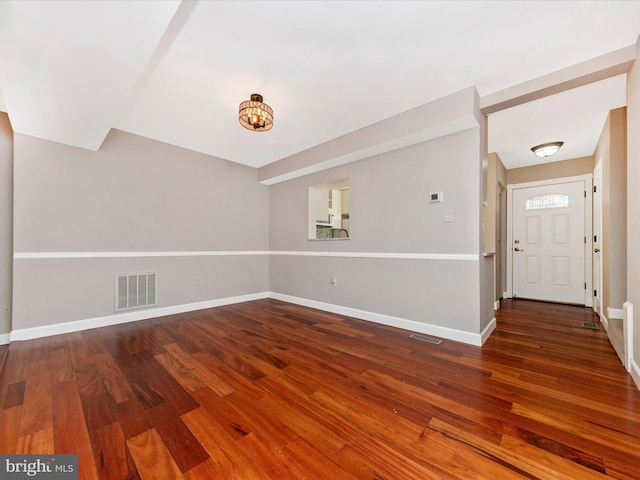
(560, 234)
(561, 275)
(548, 242)
(532, 275)
(533, 233)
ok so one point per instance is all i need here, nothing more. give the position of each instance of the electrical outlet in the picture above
(334, 282)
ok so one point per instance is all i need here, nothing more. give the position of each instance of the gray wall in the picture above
(389, 205)
(134, 195)
(390, 213)
(6, 222)
(81, 216)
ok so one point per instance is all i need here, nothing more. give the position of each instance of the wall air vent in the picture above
(136, 290)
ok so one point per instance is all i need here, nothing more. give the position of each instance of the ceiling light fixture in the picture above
(547, 149)
(255, 115)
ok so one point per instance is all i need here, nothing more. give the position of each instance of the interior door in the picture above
(548, 242)
(597, 238)
(499, 258)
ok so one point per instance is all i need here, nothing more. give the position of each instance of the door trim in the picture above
(588, 229)
(598, 306)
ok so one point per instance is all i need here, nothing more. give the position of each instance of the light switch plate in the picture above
(448, 216)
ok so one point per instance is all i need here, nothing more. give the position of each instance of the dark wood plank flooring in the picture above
(269, 390)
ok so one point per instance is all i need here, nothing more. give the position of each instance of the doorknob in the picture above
(596, 250)
(518, 249)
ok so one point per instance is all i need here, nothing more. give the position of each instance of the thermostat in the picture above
(435, 197)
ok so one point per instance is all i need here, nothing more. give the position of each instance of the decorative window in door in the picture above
(548, 200)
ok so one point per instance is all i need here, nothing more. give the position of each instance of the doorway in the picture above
(549, 226)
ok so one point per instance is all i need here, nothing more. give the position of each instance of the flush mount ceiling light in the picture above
(255, 115)
(547, 149)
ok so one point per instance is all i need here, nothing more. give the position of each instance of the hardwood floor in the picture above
(269, 390)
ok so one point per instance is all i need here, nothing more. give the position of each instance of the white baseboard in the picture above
(411, 325)
(635, 373)
(615, 313)
(67, 327)
(5, 339)
(488, 330)
(604, 321)
(496, 305)
(627, 329)
(406, 324)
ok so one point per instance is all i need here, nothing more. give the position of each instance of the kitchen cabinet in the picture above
(335, 208)
(328, 206)
(319, 205)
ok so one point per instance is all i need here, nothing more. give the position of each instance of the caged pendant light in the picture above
(255, 115)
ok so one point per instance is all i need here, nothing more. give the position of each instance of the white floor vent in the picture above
(590, 325)
(136, 290)
(424, 338)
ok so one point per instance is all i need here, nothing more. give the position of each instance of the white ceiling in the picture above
(575, 117)
(177, 71)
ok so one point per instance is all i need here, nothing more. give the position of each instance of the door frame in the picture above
(504, 214)
(588, 229)
(501, 242)
(597, 300)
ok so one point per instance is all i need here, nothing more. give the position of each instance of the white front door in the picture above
(548, 242)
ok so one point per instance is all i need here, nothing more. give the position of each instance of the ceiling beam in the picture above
(444, 116)
(596, 69)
